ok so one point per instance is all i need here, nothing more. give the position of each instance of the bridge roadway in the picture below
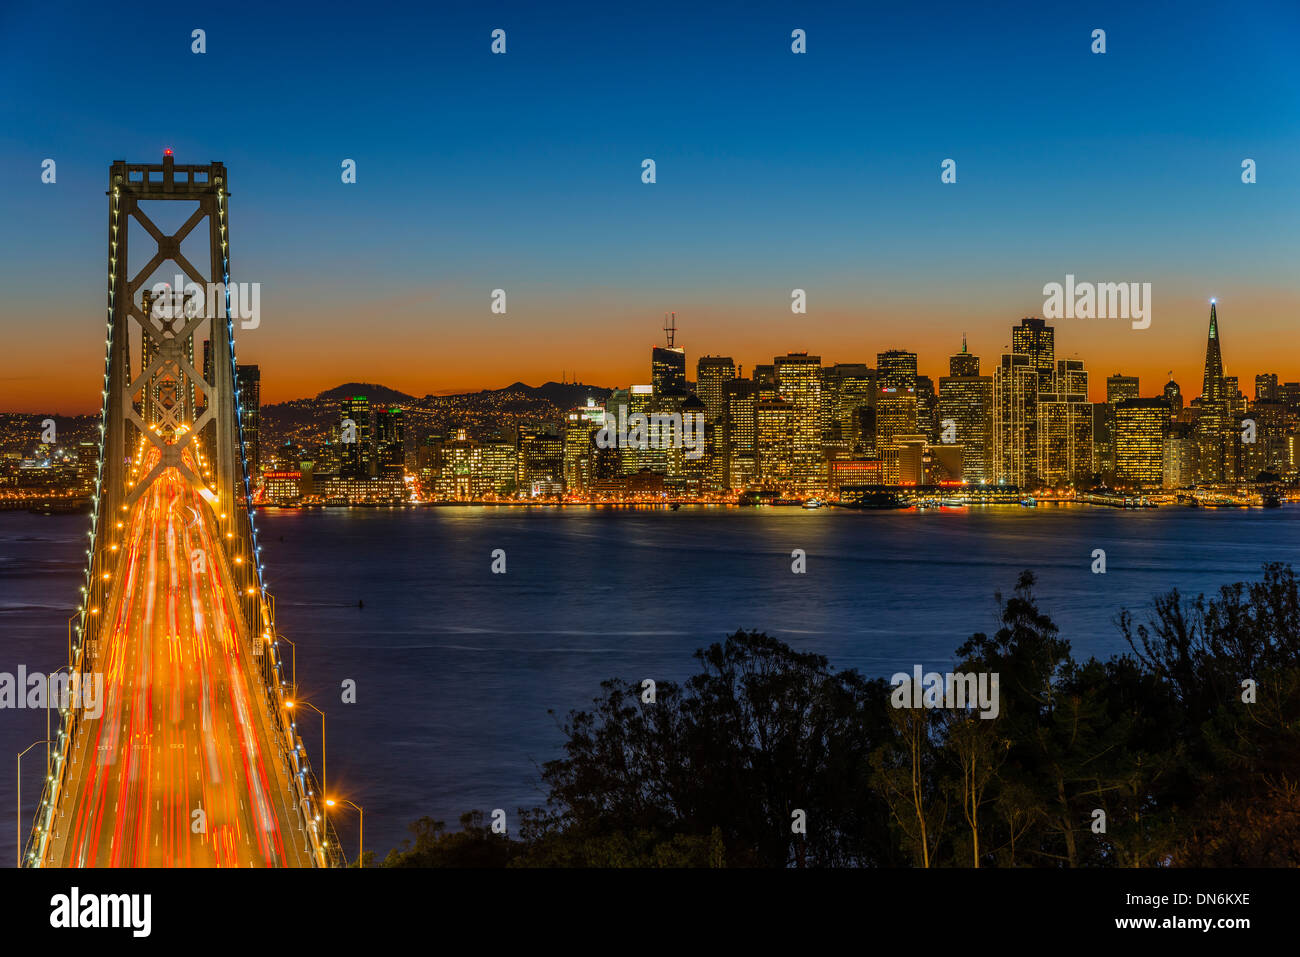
(184, 723)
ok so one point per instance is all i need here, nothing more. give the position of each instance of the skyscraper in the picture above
(712, 375)
(580, 424)
(966, 401)
(1103, 440)
(667, 370)
(1266, 389)
(896, 368)
(472, 469)
(1288, 393)
(1140, 427)
(540, 461)
(355, 436)
(896, 406)
(963, 363)
(1121, 388)
(1212, 385)
(1015, 400)
(1037, 340)
(799, 382)
(855, 390)
(1034, 339)
(741, 433)
(1174, 396)
(927, 408)
(248, 382)
(895, 415)
(1179, 459)
(390, 441)
(775, 434)
(1213, 422)
(1236, 398)
(1266, 423)
(647, 455)
(765, 378)
(828, 411)
(1064, 444)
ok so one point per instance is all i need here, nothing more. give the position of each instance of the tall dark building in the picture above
(1033, 346)
(854, 390)
(248, 383)
(1121, 388)
(540, 460)
(896, 368)
(667, 371)
(1213, 386)
(740, 426)
(390, 440)
(1174, 396)
(1214, 424)
(1288, 393)
(966, 403)
(927, 408)
(712, 375)
(1015, 419)
(357, 455)
(1065, 444)
(963, 364)
(1036, 339)
(1266, 389)
(799, 382)
(1140, 429)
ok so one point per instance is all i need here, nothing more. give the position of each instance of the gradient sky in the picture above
(775, 171)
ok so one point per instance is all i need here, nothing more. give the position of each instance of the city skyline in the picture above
(800, 425)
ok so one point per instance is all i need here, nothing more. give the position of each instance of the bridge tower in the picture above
(159, 403)
(167, 336)
(166, 339)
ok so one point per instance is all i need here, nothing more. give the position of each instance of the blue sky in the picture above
(774, 171)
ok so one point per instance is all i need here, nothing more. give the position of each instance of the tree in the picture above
(760, 732)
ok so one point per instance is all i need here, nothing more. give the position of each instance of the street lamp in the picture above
(361, 852)
(19, 829)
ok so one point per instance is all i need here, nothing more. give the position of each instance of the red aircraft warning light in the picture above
(167, 151)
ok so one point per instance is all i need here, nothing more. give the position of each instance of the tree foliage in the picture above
(1159, 743)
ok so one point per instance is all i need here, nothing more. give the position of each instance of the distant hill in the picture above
(375, 393)
(309, 420)
(562, 394)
